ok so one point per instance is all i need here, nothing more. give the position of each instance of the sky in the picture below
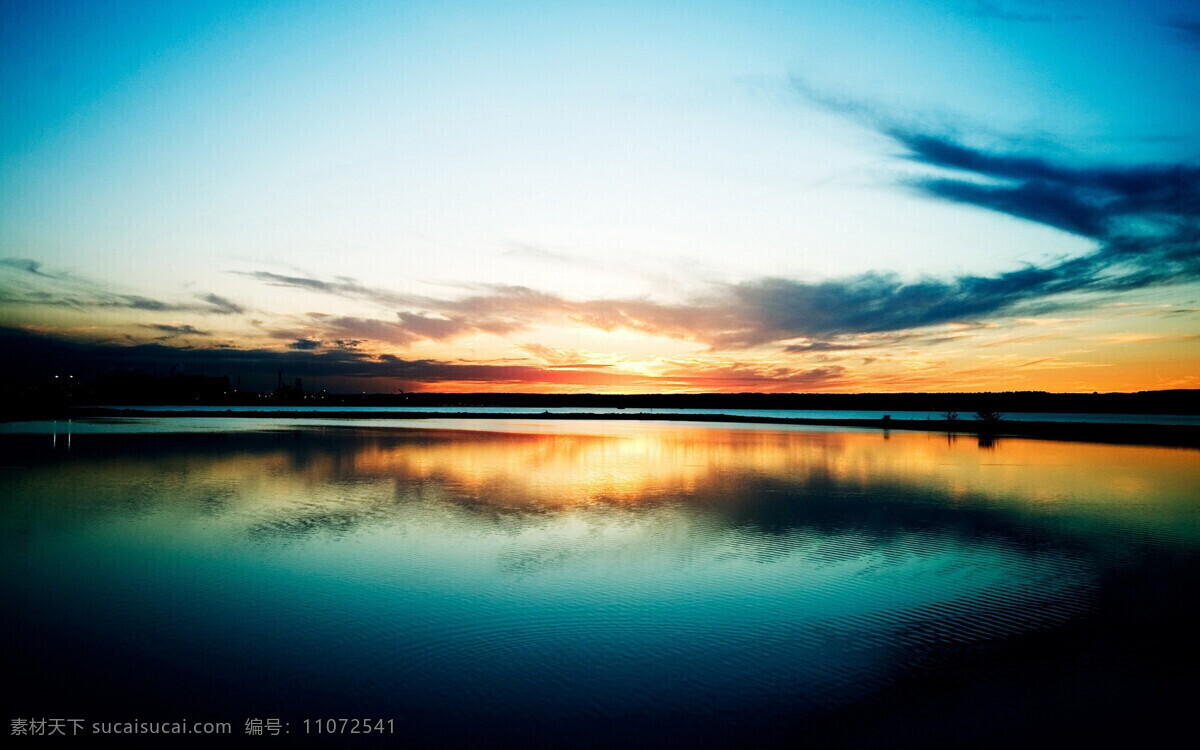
(885, 195)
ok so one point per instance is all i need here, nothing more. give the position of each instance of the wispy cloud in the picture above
(33, 285)
(27, 265)
(340, 287)
(890, 340)
(555, 357)
(1100, 202)
(748, 377)
(220, 305)
(40, 354)
(171, 330)
(772, 310)
(1144, 219)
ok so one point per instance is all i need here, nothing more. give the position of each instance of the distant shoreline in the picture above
(1095, 432)
(163, 392)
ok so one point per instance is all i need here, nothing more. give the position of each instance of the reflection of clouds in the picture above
(914, 540)
(298, 482)
(804, 568)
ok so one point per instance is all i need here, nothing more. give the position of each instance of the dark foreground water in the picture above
(608, 584)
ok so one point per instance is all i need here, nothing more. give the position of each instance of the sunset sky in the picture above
(883, 195)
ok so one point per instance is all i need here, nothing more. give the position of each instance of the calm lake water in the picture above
(600, 583)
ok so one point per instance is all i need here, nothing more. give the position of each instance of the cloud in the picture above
(770, 310)
(25, 264)
(93, 299)
(175, 329)
(435, 328)
(220, 305)
(1036, 200)
(41, 355)
(858, 342)
(826, 346)
(349, 327)
(37, 356)
(499, 308)
(1097, 202)
(62, 289)
(341, 287)
(1144, 220)
(406, 329)
(555, 357)
(305, 344)
(742, 377)
(500, 311)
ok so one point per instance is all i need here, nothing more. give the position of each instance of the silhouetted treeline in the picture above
(1144, 402)
(62, 392)
(124, 388)
(138, 388)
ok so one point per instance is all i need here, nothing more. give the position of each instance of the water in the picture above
(600, 583)
(1185, 419)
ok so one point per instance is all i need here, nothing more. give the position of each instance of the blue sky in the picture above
(642, 189)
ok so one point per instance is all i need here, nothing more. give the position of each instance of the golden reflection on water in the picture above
(795, 562)
(558, 467)
(635, 464)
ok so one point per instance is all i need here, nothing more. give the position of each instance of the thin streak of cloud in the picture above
(757, 378)
(555, 357)
(36, 286)
(27, 265)
(176, 329)
(220, 304)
